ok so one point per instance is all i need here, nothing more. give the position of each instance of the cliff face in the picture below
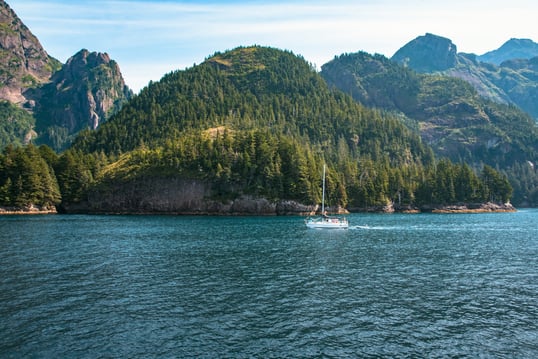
(23, 61)
(84, 93)
(179, 196)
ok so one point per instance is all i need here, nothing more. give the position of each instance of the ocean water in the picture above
(414, 285)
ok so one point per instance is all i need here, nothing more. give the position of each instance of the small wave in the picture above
(366, 227)
(378, 228)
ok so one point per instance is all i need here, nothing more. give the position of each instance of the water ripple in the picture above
(404, 286)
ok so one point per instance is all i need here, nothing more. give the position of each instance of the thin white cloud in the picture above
(141, 33)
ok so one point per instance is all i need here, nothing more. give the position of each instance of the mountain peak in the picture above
(89, 58)
(84, 93)
(510, 50)
(83, 63)
(428, 53)
(253, 58)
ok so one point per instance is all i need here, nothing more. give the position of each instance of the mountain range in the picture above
(507, 75)
(255, 122)
(448, 112)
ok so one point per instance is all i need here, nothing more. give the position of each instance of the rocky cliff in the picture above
(177, 196)
(24, 63)
(87, 90)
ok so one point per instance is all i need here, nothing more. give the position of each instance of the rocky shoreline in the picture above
(28, 210)
(472, 208)
(245, 206)
(488, 207)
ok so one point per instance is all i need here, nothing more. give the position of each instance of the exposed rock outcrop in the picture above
(23, 61)
(178, 196)
(85, 92)
(470, 208)
(438, 208)
(28, 210)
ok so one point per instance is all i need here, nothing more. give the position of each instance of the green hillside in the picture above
(261, 122)
(257, 121)
(247, 89)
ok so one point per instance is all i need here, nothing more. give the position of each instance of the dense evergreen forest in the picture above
(256, 121)
(269, 167)
(27, 179)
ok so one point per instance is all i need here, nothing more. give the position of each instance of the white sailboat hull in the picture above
(336, 223)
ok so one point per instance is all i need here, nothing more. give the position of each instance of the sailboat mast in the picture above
(323, 193)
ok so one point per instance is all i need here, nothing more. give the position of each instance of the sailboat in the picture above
(325, 221)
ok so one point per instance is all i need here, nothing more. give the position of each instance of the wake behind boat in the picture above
(325, 221)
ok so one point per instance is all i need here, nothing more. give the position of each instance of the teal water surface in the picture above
(426, 285)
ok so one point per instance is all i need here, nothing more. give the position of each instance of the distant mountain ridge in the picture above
(512, 82)
(451, 115)
(513, 49)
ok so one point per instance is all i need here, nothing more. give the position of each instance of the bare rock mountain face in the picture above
(23, 61)
(87, 90)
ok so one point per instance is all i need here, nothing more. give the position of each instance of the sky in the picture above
(151, 38)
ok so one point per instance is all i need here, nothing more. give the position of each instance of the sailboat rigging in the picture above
(325, 221)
